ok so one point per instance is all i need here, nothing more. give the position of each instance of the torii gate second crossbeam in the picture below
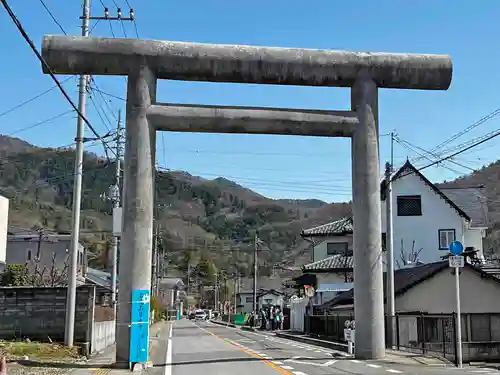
(143, 62)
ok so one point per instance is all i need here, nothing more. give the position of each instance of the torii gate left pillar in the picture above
(145, 61)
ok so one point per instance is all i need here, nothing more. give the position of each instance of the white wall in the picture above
(474, 237)
(442, 297)
(4, 220)
(436, 214)
(320, 250)
(247, 307)
(272, 298)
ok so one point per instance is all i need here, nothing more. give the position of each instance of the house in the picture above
(265, 298)
(330, 276)
(46, 251)
(329, 239)
(425, 301)
(427, 218)
(171, 292)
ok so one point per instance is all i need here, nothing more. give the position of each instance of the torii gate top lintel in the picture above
(244, 64)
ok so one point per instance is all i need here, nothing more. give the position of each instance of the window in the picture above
(337, 248)
(249, 299)
(384, 242)
(29, 255)
(409, 205)
(446, 237)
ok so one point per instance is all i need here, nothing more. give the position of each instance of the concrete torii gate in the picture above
(144, 61)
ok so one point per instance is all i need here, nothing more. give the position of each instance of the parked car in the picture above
(191, 316)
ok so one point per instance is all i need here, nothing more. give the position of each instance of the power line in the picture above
(489, 116)
(496, 134)
(26, 37)
(53, 17)
(32, 99)
(40, 123)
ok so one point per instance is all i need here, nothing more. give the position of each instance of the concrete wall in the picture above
(320, 250)
(436, 214)
(4, 219)
(103, 335)
(39, 313)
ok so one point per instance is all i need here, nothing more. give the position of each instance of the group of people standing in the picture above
(271, 318)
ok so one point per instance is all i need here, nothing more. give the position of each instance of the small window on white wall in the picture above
(446, 237)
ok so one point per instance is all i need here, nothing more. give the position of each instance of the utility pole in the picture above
(69, 326)
(390, 298)
(216, 292)
(255, 274)
(115, 195)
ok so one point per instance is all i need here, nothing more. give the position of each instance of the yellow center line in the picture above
(265, 361)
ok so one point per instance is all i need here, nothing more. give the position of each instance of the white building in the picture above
(426, 219)
(4, 219)
(264, 298)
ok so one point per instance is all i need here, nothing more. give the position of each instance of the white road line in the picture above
(329, 363)
(372, 365)
(355, 361)
(321, 351)
(168, 358)
(277, 362)
(170, 331)
(298, 373)
(394, 371)
(287, 367)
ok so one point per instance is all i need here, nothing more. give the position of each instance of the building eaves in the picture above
(335, 228)
(334, 262)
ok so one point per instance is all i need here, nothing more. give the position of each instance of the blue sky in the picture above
(293, 167)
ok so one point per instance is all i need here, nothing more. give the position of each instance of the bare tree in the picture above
(47, 275)
(408, 258)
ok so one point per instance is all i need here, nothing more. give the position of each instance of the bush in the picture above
(155, 309)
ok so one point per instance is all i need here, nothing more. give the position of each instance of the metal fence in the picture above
(423, 333)
(327, 326)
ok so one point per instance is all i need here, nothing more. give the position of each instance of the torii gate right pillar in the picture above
(367, 222)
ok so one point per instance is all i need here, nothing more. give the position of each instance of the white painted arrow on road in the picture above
(299, 359)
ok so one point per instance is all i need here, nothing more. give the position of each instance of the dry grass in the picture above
(15, 350)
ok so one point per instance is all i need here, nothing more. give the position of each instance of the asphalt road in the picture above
(209, 349)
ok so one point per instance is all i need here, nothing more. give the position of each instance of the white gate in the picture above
(297, 313)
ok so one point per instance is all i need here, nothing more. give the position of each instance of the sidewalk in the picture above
(98, 364)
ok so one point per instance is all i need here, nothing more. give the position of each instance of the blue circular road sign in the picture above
(456, 248)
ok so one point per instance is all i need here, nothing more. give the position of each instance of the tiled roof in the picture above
(332, 262)
(472, 201)
(338, 227)
(404, 279)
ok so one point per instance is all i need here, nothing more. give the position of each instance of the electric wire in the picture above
(50, 72)
(33, 98)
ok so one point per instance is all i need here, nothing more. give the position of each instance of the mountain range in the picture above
(216, 217)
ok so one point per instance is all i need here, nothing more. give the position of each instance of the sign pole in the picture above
(458, 323)
(457, 261)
